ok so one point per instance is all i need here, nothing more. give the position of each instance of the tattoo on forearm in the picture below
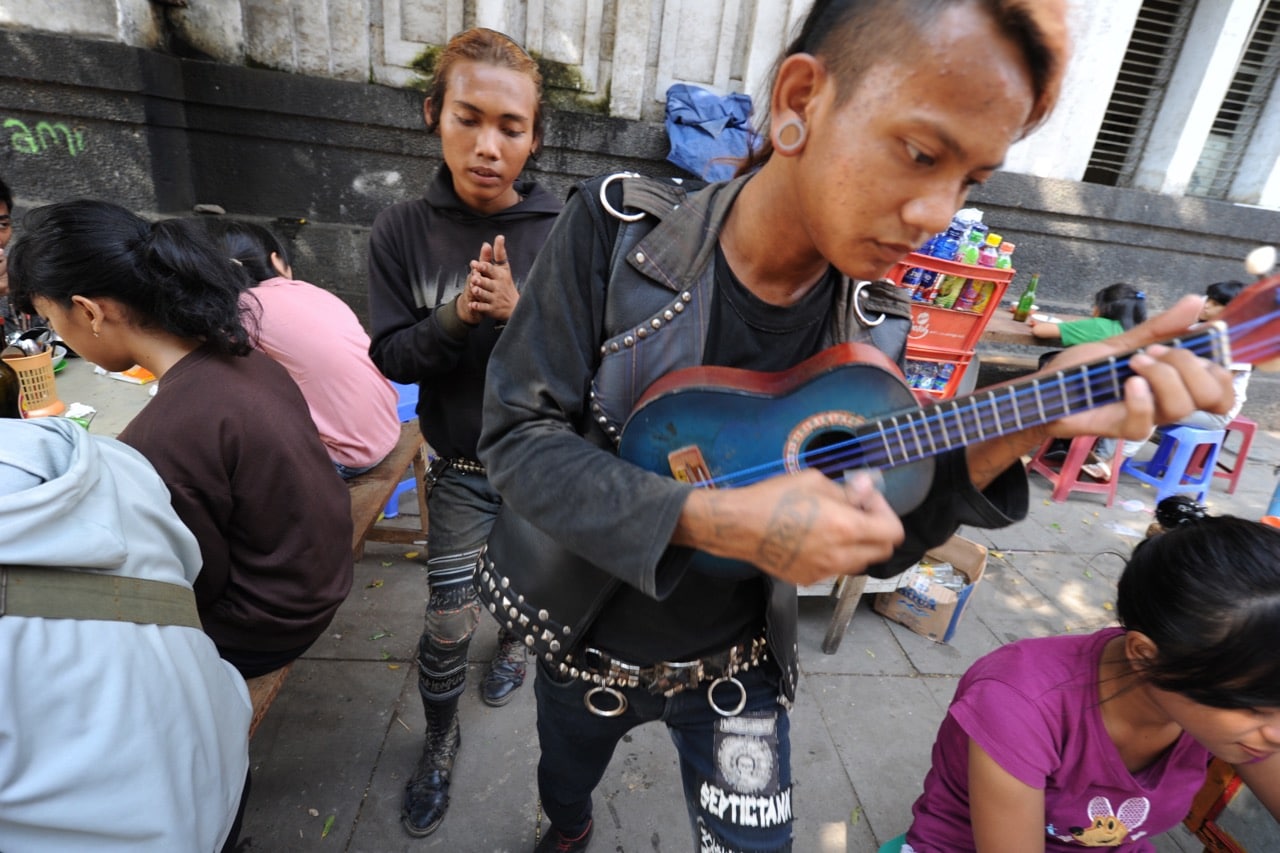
(787, 530)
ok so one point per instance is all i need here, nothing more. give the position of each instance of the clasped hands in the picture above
(490, 290)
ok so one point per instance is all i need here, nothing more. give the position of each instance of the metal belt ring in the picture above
(711, 696)
(617, 697)
(857, 306)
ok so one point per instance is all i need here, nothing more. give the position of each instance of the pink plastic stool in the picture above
(1067, 478)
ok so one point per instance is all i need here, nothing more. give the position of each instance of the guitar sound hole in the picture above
(832, 452)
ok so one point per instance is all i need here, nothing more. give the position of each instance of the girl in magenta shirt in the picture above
(1102, 740)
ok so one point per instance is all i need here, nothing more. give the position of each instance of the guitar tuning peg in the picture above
(1261, 260)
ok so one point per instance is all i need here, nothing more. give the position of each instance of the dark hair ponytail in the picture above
(1123, 303)
(168, 276)
(1207, 593)
(251, 245)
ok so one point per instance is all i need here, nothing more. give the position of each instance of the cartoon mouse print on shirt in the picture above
(1108, 828)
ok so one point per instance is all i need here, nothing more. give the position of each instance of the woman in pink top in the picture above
(1102, 740)
(321, 343)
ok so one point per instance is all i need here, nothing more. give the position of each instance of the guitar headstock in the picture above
(1254, 314)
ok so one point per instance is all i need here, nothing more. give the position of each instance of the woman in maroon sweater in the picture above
(228, 430)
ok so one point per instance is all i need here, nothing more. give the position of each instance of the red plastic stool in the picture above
(1067, 478)
(1246, 427)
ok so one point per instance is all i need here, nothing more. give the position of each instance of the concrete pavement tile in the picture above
(316, 750)
(1085, 596)
(972, 640)
(868, 646)
(493, 791)
(1011, 607)
(883, 728)
(386, 602)
(942, 690)
(829, 817)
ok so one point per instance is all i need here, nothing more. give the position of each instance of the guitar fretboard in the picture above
(1004, 409)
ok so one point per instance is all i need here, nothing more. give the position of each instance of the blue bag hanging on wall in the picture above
(709, 133)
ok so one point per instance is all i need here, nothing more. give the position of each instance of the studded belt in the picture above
(466, 466)
(440, 464)
(667, 678)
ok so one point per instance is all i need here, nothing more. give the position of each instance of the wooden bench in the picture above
(262, 692)
(371, 490)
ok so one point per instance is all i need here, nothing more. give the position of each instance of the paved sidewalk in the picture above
(333, 754)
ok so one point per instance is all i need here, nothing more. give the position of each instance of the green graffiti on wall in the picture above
(26, 141)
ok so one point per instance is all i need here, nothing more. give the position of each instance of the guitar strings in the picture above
(872, 450)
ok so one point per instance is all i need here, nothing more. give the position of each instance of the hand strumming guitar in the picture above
(800, 528)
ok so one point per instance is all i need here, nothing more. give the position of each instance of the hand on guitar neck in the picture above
(808, 525)
(1169, 384)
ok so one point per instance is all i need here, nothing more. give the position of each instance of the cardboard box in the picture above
(928, 608)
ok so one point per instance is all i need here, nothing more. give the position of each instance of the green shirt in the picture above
(1088, 330)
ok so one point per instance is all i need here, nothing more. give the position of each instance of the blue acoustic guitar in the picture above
(848, 408)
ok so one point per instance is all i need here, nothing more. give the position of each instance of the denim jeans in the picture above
(346, 472)
(736, 770)
(461, 507)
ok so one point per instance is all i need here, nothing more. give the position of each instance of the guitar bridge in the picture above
(689, 466)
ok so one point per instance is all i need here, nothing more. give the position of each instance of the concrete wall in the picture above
(318, 158)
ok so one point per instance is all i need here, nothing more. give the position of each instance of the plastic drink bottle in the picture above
(925, 373)
(948, 245)
(928, 287)
(943, 376)
(971, 247)
(949, 290)
(982, 295)
(969, 296)
(1004, 260)
(1028, 299)
(988, 253)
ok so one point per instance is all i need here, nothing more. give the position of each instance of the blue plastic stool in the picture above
(407, 410)
(1167, 469)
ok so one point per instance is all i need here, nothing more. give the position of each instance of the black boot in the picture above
(426, 797)
(506, 671)
(556, 841)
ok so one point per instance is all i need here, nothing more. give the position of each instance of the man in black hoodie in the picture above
(443, 280)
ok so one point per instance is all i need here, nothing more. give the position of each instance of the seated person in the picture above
(1102, 740)
(319, 340)
(1217, 296)
(228, 430)
(8, 318)
(115, 736)
(1116, 308)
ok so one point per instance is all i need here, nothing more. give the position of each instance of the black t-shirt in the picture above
(705, 614)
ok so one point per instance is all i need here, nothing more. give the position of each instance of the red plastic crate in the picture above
(950, 329)
(961, 361)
